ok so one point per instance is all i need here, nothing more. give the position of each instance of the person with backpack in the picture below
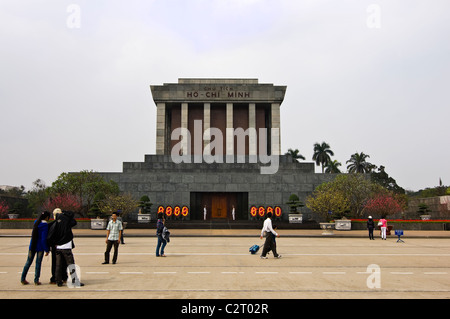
(38, 246)
(159, 233)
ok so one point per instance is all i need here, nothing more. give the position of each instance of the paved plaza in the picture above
(216, 264)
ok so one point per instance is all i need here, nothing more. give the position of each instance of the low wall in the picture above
(28, 224)
(355, 225)
(407, 225)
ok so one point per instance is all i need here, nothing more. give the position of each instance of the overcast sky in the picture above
(364, 76)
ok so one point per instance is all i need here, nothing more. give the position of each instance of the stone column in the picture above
(206, 123)
(185, 144)
(252, 137)
(276, 130)
(160, 128)
(230, 131)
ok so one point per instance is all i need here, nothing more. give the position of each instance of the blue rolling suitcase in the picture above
(254, 249)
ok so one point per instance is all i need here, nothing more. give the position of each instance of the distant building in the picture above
(7, 188)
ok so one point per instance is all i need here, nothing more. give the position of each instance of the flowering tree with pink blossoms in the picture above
(67, 202)
(383, 204)
(4, 209)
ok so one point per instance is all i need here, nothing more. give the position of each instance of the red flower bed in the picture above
(406, 220)
(33, 219)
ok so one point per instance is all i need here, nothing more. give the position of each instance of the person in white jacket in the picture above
(269, 232)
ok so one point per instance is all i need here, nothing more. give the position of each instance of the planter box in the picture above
(144, 218)
(98, 223)
(425, 217)
(295, 218)
(327, 228)
(13, 216)
(343, 224)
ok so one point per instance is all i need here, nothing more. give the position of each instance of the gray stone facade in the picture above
(167, 183)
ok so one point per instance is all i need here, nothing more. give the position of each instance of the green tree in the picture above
(328, 201)
(16, 192)
(294, 202)
(333, 167)
(359, 164)
(95, 211)
(322, 153)
(145, 204)
(351, 193)
(382, 178)
(84, 184)
(125, 203)
(423, 209)
(358, 189)
(37, 196)
(295, 154)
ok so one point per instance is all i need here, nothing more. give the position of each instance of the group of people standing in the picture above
(382, 223)
(55, 237)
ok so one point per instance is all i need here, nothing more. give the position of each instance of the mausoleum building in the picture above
(218, 146)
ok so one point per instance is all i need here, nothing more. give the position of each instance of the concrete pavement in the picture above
(239, 233)
(216, 264)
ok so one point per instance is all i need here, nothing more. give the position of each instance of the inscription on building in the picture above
(215, 90)
(219, 92)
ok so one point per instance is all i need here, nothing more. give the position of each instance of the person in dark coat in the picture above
(38, 246)
(159, 233)
(370, 227)
(60, 235)
(56, 211)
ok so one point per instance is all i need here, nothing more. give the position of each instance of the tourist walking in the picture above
(113, 236)
(274, 242)
(370, 227)
(383, 227)
(38, 246)
(159, 233)
(269, 233)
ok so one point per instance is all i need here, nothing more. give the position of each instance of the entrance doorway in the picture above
(219, 205)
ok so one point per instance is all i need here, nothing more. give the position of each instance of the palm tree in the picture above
(322, 154)
(295, 154)
(358, 164)
(333, 167)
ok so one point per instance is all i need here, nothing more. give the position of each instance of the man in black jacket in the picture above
(370, 227)
(63, 265)
(60, 235)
